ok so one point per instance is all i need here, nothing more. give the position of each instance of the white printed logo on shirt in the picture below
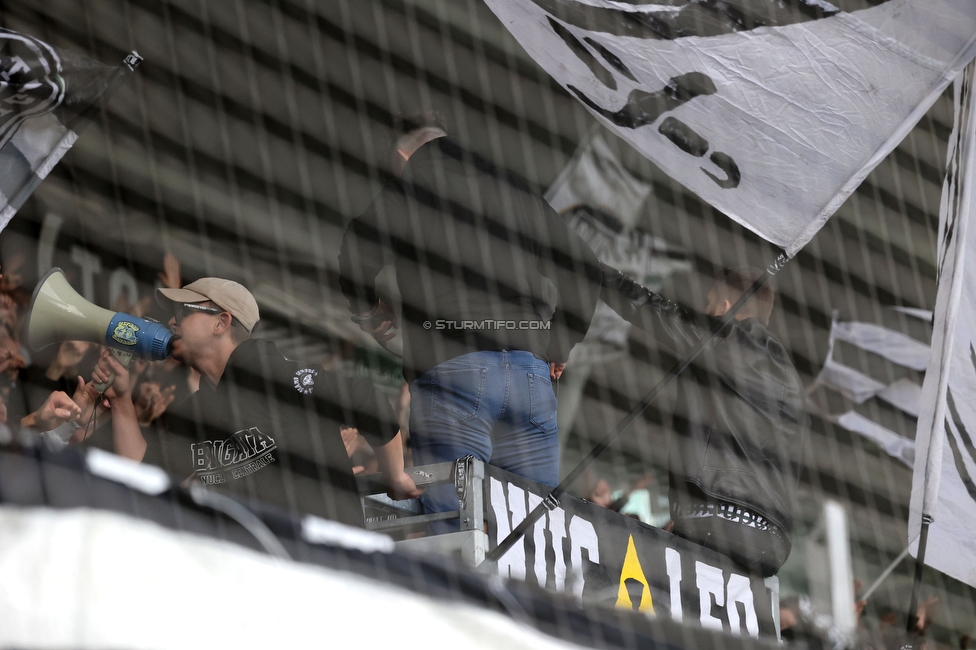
(305, 380)
(247, 451)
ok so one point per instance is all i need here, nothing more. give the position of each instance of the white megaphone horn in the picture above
(57, 313)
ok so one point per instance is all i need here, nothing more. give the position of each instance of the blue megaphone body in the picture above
(58, 313)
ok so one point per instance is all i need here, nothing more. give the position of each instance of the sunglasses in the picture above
(184, 310)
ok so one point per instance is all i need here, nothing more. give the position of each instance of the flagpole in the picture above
(130, 62)
(887, 572)
(552, 500)
(954, 215)
(919, 565)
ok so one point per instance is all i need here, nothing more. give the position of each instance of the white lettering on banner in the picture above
(510, 505)
(672, 560)
(539, 537)
(512, 564)
(739, 590)
(582, 535)
(557, 527)
(508, 502)
(710, 584)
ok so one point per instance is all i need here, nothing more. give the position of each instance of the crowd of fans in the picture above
(39, 390)
(801, 623)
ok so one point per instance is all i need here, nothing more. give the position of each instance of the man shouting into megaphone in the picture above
(260, 426)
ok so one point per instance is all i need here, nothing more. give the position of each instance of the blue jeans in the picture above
(497, 406)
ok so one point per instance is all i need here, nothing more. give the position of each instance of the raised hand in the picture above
(57, 408)
(86, 397)
(170, 275)
(379, 325)
(122, 385)
(71, 353)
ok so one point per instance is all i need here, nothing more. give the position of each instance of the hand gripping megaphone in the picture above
(58, 313)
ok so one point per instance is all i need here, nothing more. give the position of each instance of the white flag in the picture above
(944, 485)
(771, 111)
(854, 383)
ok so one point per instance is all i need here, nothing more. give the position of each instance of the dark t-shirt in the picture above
(482, 262)
(269, 430)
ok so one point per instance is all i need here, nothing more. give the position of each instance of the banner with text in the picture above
(604, 558)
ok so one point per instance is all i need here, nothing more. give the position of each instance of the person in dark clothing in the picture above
(734, 456)
(260, 426)
(495, 289)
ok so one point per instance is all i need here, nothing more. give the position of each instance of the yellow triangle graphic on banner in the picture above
(632, 570)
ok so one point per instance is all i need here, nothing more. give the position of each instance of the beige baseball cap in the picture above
(226, 294)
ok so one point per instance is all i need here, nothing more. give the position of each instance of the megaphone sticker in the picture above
(58, 313)
(125, 333)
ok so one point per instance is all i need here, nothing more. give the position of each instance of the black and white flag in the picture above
(871, 380)
(47, 95)
(944, 485)
(772, 111)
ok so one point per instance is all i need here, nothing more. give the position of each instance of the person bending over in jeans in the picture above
(496, 290)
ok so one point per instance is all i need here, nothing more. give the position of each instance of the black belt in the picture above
(728, 512)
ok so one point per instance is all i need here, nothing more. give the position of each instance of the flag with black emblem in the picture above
(47, 95)
(944, 485)
(772, 111)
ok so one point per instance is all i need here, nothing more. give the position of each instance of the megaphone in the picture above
(58, 313)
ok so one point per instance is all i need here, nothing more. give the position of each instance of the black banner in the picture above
(605, 558)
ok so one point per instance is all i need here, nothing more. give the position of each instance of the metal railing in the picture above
(402, 518)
